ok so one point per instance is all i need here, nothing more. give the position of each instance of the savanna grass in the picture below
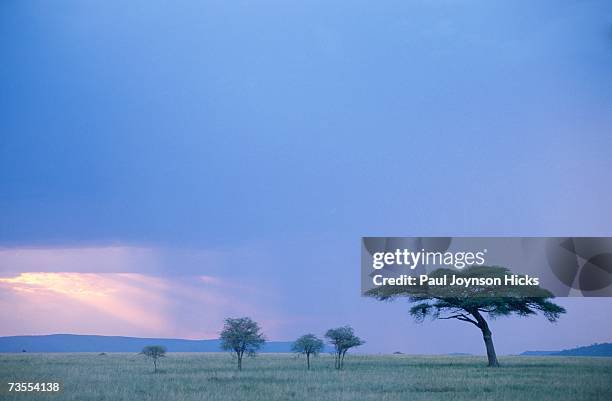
(214, 377)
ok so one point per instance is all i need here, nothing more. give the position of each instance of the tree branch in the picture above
(461, 317)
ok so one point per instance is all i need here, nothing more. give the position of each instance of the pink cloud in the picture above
(125, 290)
(102, 296)
(128, 304)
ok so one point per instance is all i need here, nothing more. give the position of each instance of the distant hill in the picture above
(604, 349)
(87, 343)
(537, 353)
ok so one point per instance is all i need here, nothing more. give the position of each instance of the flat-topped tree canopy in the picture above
(470, 303)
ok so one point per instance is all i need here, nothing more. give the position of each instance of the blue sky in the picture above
(254, 143)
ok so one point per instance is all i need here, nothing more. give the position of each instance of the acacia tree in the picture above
(471, 304)
(308, 344)
(241, 335)
(154, 352)
(343, 339)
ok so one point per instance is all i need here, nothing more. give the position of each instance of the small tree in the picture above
(471, 304)
(308, 344)
(154, 352)
(241, 335)
(343, 339)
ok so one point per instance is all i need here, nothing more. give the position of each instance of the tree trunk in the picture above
(239, 361)
(154, 366)
(308, 360)
(487, 336)
(491, 356)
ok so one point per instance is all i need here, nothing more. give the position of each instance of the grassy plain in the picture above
(129, 377)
